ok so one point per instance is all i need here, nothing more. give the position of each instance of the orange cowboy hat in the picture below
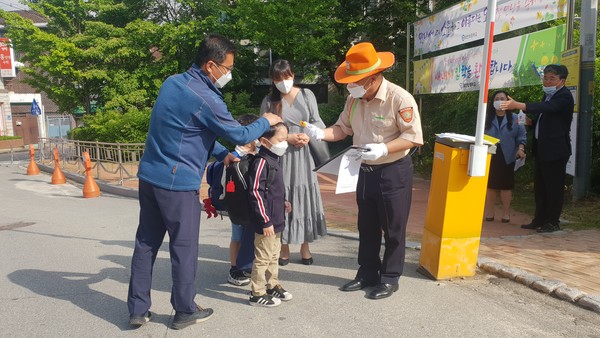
(361, 61)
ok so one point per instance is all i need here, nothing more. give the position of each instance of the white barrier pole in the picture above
(478, 153)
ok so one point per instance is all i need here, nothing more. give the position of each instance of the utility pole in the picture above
(583, 160)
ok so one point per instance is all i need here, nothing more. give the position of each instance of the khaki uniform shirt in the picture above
(391, 114)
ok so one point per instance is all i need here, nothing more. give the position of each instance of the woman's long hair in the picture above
(490, 113)
(279, 70)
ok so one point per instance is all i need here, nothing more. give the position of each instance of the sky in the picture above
(12, 5)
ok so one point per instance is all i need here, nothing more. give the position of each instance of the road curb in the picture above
(104, 187)
(554, 288)
(354, 236)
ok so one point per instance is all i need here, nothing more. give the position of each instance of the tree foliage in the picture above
(299, 31)
(115, 53)
(112, 126)
(104, 52)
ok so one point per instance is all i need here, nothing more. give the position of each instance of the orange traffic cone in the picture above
(32, 169)
(57, 177)
(90, 188)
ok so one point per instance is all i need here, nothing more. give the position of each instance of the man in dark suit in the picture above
(551, 146)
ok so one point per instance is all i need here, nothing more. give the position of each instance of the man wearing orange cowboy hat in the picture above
(384, 118)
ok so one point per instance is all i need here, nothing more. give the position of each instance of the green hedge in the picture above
(4, 138)
(113, 126)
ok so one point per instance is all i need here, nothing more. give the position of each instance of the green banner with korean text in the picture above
(509, 66)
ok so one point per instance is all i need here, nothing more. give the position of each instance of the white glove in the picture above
(377, 150)
(312, 131)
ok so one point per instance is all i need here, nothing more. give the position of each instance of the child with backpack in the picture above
(216, 179)
(266, 195)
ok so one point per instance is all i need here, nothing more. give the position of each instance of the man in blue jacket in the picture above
(551, 146)
(188, 116)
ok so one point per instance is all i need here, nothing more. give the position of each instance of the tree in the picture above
(104, 52)
(302, 32)
(78, 61)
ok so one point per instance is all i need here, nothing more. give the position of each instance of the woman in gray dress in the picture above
(306, 222)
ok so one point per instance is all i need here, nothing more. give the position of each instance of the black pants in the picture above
(384, 198)
(549, 187)
(162, 211)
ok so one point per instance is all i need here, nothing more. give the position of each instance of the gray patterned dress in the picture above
(306, 222)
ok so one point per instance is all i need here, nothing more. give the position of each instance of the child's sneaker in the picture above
(264, 300)
(279, 293)
(237, 277)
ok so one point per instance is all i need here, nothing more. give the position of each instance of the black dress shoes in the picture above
(357, 284)
(383, 290)
(307, 261)
(531, 226)
(548, 227)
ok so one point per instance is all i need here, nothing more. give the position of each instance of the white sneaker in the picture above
(264, 300)
(237, 277)
(279, 293)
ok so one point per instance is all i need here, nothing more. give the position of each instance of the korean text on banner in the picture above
(465, 21)
(509, 67)
(7, 64)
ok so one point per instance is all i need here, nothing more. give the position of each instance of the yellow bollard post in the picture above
(454, 217)
(32, 169)
(90, 188)
(57, 177)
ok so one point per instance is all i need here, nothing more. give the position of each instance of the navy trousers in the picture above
(178, 214)
(245, 256)
(384, 197)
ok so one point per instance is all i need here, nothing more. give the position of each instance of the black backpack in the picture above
(236, 190)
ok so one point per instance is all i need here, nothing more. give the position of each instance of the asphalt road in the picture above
(21, 155)
(64, 270)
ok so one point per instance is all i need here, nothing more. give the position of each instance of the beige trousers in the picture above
(265, 268)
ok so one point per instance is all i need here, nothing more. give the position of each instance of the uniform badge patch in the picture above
(406, 114)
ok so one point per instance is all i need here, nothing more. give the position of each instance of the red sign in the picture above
(7, 65)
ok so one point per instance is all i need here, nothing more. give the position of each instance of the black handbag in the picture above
(319, 150)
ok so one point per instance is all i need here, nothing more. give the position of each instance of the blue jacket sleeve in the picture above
(521, 134)
(257, 181)
(219, 120)
(219, 151)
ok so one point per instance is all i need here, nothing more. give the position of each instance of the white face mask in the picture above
(549, 90)
(356, 91)
(241, 151)
(285, 86)
(497, 105)
(279, 148)
(222, 81)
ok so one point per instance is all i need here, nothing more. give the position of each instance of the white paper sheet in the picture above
(519, 163)
(348, 172)
(346, 166)
(462, 138)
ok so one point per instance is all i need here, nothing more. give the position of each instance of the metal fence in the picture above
(117, 162)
